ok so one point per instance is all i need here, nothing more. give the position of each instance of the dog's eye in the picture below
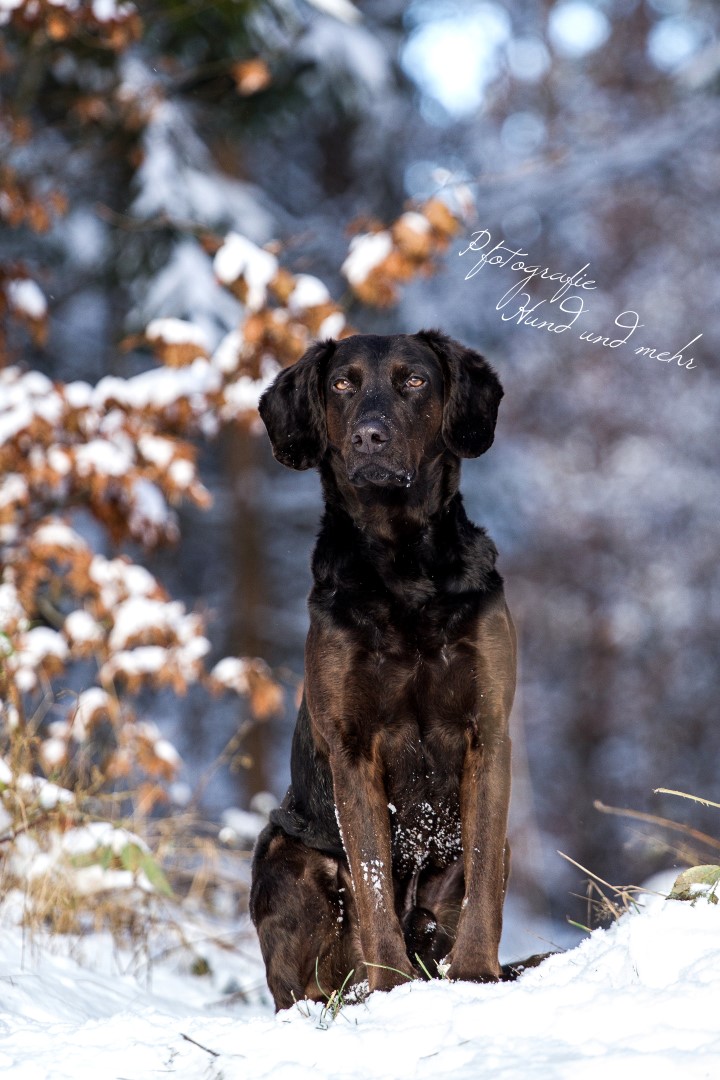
(415, 381)
(342, 384)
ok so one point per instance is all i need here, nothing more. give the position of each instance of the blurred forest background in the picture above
(133, 140)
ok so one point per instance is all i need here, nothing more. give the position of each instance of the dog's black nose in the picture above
(370, 437)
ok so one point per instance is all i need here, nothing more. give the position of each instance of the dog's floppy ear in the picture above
(472, 395)
(293, 411)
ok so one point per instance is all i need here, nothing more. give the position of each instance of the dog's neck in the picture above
(388, 514)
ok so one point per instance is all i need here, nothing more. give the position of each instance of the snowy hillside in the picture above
(638, 1000)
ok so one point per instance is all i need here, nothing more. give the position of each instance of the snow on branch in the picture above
(284, 312)
(115, 25)
(121, 450)
(381, 259)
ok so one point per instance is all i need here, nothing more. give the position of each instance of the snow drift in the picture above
(639, 999)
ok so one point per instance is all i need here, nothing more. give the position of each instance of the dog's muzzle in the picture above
(371, 437)
(370, 461)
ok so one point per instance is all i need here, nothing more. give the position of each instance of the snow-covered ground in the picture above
(638, 1000)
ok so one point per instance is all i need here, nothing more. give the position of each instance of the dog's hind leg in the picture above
(430, 924)
(305, 918)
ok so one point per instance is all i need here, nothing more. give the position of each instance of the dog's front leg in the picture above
(364, 821)
(343, 701)
(484, 800)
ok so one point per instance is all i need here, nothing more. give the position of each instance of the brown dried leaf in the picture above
(251, 76)
(265, 695)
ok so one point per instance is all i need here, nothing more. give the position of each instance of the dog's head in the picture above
(384, 404)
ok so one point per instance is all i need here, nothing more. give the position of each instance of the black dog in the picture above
(388, 854)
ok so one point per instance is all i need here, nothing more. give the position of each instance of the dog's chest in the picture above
(417, 721)
(423, 760)
(425, 824)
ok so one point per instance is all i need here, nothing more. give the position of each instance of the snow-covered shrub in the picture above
(381, 259)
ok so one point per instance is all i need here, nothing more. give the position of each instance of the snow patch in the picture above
(90, 704)
(332, 326)
(240, 258)
(367, 251)
(309, 292)
(177, 332)
(57, 534)
(26, 296)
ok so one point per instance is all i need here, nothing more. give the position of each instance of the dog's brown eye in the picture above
(415, 381)
(342, 384)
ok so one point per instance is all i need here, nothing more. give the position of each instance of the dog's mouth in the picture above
(380, 475)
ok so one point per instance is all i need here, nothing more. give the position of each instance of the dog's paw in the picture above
(385, 977)
(461, 970)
